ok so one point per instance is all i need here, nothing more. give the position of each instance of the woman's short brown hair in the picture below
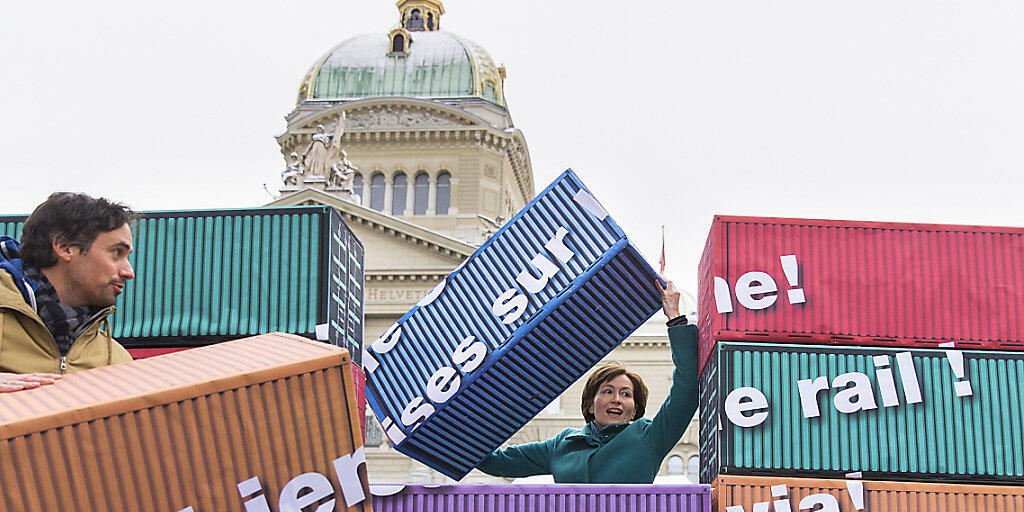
(605, 373)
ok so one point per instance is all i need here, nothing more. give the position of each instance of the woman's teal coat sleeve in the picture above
(521, 460)
(677, 410)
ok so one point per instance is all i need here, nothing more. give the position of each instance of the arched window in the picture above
(377, 192)
(421, 189)
(675, 465)
(430, 20)
(357, 184)
(693, 465)
(398, 184)
(415, 22)
(444, 193)
(398, 44)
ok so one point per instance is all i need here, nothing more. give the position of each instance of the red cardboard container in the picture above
(862, 283)
(143, 353)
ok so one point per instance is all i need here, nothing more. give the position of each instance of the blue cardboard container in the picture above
(527, 314)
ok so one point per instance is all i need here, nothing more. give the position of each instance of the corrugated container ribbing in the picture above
(865, 283)
(201, 429)
(709, 433)
(11, 226)
(203, 276)
(543, 300)
(943, 437)
(358, 376)
(542, 498)
(745, 491)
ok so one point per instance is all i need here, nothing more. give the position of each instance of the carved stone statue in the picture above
(291, 175)
(324, 163)
(324, 150)
(314, 158)
(343, 173)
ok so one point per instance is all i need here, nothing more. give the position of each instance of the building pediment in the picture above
(409, 122)
(387, 114)
(402, 116)
(394, 247)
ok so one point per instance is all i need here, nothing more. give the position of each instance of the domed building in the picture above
(426, 124)
(408, 134)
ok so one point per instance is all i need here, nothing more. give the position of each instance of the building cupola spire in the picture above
(421, 15)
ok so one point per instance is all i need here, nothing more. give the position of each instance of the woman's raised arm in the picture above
(678, 409)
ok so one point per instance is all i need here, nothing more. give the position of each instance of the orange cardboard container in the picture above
(878, 496)
(266, 423)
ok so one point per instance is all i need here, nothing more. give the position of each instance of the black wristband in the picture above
(679, 320)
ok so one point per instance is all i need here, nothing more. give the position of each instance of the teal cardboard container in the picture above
(206, 276)
(943, 437)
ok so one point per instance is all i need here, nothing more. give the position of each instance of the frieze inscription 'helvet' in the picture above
(395, 295)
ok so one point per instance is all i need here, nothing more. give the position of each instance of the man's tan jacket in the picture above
(27, 347)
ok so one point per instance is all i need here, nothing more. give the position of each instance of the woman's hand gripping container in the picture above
(537, 305)
(835, 282)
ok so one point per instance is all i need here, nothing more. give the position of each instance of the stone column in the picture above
(432, 195)
(410, 190)
(388, 192)
(453, 204)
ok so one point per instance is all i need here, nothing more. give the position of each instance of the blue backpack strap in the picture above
(11, 262)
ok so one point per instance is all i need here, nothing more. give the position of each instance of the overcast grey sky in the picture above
(671, 112)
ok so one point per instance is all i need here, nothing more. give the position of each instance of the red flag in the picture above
(661, 261)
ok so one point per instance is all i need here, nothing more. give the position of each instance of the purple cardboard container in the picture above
(541, 498)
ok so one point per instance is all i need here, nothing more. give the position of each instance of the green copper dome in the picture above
(434, 65)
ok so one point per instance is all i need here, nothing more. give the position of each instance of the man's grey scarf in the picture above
(64, 323)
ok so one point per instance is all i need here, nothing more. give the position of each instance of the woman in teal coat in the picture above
(617, 445)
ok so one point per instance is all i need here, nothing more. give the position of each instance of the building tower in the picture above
(425, 123)
(407, 133)
(425, 165)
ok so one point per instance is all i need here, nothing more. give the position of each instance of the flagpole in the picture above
(661, 261)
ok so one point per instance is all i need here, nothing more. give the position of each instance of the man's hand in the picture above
(669, 298)
(18, 381)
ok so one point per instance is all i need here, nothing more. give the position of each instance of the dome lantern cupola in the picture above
(408, 62)
(421, 15)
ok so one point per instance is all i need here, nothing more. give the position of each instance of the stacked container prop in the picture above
(528, 313)
(263, 423)
(857, 364)
(206, 276)
(541, 498)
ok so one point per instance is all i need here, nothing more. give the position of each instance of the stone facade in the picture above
(465, 149)
(403, 138)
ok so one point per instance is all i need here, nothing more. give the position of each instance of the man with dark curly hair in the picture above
(58, 287)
